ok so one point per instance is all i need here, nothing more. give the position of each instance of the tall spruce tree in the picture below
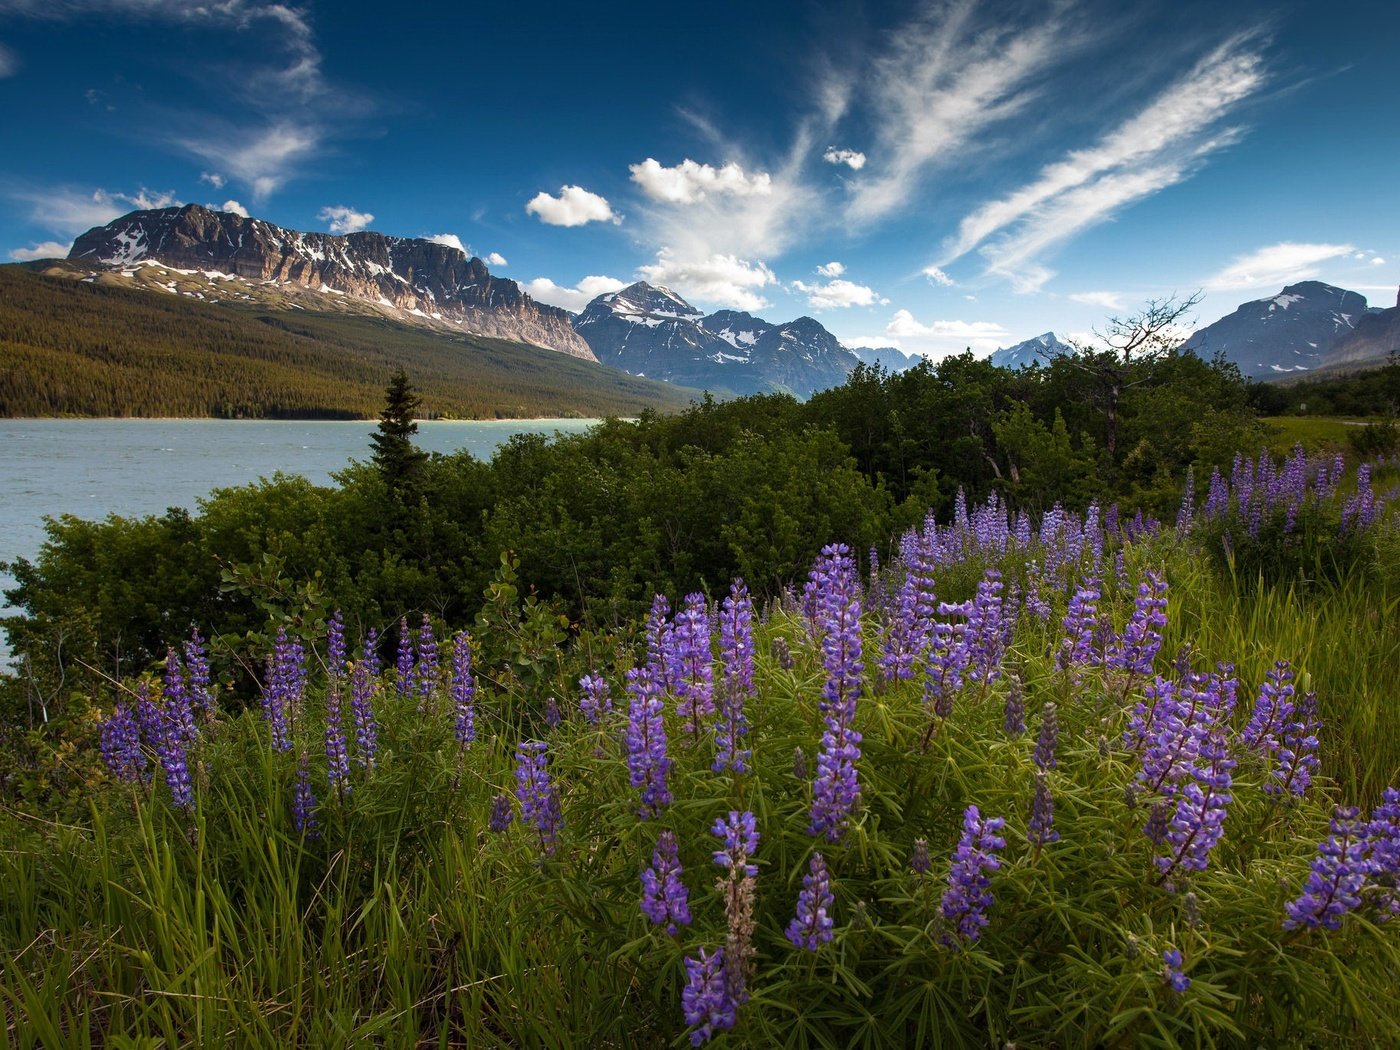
(398, 459)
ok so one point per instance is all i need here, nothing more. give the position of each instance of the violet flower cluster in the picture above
(836, 790)
(197, 666)
(363, 677)
(1338, 875)
(1198, 823)
(694, 665)
(539, 803)
(647, 761)
(812, 926)
(1273, 708)
(405, 683)
(304, 801)
(705, 1000)
(596, 699)
(1297, 759)
(736, 679)
(120, 745)
(425, 670)
(463, 689)
(1135, 652)
(665, 899)
(968, 896)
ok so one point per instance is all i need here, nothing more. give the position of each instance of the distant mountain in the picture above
(410, 280)
(1024, 354)
(887, 357)
(653, 332)
(1376, 336)
(1293, 331)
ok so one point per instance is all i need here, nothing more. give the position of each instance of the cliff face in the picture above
(419, 278)
(1375, 337)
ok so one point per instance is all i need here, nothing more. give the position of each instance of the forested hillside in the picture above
(77, 349)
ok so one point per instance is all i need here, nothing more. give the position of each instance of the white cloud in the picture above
(941, 338)
(1275, 266)
(838, 294)
(263, 158)
(874, 342)
(575, 206)
(343, 219)
(1108, 300)
(8, 62)
(938, 277)
(1159, 146)
(1377, 261)
(852, 158)
(723, 280)
(451, 240)
(69, 211)
(497, 259)
(543, 290)
(235, 207)
(831, 269)
(947, 79)
(46, 250)
(690, 183)
(213, 178)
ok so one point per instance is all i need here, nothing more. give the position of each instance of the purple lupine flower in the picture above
(463, 689)
(405, 684)
(197, 665)
(1297, 753)
(1217, 497)
(647, 761)
(1198, 823)
(1172, 972)
(1014, 716)
(1383, 833)
(596, 702)
(1036, 605)
(694, 672)
(1041, 830)
(552, 715)
(903, 635)
(740, 834)
(1186, 513)
(502, 813)
(836, 790)
(736, 679)
(539, 804)
(1362, 510)
(1142, 639)
(363, 677)
(920, 862)
(425, 671)
(149, 719)
(120, 745)
(1048, 738)
(665, 899)
(984, 634)
(967, 897)
(1339, 873)
(337, 747)
(304, 801)
(1181, 720)
(335, 647)
(705, 1000)
(171, 746)
(661, 643)
(812, 926)
(1273, 708)
(1077, 646)
(178, 707)
(947, 660)
(283, 689)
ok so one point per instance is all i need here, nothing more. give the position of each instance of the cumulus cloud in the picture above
(575, 206)
(852, 158)
(941, 338)
(1275, 266)
(343, 219)
(1157, 147)
(235, 207)
(838, 294)
(72, 211)
(689, 182)
(1108, 300)
(213, 178)
(573, 299)
(497, 259)
(46, 250)
(451, 240)
(722, 280)
(831, 269)
(938, 277)
(1377, 261)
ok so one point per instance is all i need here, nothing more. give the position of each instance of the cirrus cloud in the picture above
(575, 206)
(1275, 266)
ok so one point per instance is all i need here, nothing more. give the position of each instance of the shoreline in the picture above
(295, 419)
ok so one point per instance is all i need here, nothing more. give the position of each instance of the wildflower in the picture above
(304, 801)
(425, 671)
(405, 684)
(1077, 646)
(1048, 738)
(1014, 716)
(362, 679)
(740, 835)
(178, 707)
(984, 639)
(1339, 872)
(705, 1000)
(694, 672)
(836, 790)
(1171, 971)
(800, 769)
(1042, 826)
(502, 813)
(596, 702)
(197, 664)
(463, 689)
(920, 861)
(902, 633)
(283, 688)
(337, 748)
(1383, 833)
(120, 745)
(947, 660)
(647, 761)
(812, 926)
(335, 647)
(665, 898)
(1297, 752)
(1197, 825)
(661, 643)
(539, 805)
(967, 897)
(736, 679)
(1142, 639)
(1272, 709)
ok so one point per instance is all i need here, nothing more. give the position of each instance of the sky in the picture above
(926, 175)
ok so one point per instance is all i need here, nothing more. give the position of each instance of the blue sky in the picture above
(925, 175)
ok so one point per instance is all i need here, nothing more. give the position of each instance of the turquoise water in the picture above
(96, 467)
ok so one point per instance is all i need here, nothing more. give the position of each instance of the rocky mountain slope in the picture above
(1293, 331)
(408, 279)
(1375, 337)
(653, 332)
(1028, 352)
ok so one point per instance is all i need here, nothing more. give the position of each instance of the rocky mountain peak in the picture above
(1292, 331)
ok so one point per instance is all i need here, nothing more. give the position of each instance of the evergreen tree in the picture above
(395, 455)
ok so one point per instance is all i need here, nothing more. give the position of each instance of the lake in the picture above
(96, 467)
